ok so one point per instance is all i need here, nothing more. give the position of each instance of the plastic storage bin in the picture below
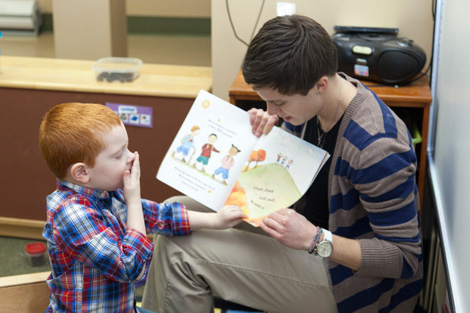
(117, 69)
(36, 251)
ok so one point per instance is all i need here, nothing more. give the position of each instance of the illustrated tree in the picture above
(256, 156)
(261, 156)
(238, 197)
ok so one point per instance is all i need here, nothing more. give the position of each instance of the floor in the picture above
(15, 261)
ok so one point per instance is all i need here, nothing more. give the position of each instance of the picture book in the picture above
(217, 160)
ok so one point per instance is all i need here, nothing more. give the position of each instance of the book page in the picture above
(279, 171)
(209, 151)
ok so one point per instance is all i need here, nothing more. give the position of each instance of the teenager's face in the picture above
(112, 162)
(295, 109)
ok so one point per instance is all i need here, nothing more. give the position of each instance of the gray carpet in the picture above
(15, 261)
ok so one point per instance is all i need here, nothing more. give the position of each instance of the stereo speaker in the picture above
(378, 57)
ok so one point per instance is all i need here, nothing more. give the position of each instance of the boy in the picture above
(96, 221)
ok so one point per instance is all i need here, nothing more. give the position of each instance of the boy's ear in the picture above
(79, 172)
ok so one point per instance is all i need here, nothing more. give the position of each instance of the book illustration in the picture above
(206, 152)
(187, 145)
(221, 126)
(255, 156)
(226, 164)
(222, 162)
(271, 179)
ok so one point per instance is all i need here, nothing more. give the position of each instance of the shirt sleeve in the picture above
(97, 238)
(169, 219)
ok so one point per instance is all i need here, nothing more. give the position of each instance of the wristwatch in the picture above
(324, 248)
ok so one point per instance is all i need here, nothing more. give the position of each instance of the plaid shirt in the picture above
(95, 258)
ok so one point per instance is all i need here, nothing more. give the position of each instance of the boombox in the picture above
(377, 54)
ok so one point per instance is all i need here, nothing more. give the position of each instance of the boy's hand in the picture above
(135, 217)
(228, 216)
(132, 182)
(261, 121)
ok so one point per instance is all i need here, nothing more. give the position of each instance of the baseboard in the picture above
(174, 26)
(21, 228)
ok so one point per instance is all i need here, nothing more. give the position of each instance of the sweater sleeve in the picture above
(379, 165)
(383, 173)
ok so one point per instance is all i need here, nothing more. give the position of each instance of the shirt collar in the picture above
(95, 193)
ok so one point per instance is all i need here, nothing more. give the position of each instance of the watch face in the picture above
(324, 249)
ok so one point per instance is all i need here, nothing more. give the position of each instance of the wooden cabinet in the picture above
(411, 102)
(29, 87)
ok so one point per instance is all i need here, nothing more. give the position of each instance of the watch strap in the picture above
(328, 236)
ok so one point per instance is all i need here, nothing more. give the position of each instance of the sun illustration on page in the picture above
(205, 104)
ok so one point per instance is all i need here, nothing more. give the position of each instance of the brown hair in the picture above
(71, 133)
(290, 54)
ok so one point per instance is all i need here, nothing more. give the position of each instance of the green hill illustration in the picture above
(268, 187)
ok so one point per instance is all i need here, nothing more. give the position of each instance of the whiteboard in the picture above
(450, 145)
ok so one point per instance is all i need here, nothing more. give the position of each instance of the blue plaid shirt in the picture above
(95, 258)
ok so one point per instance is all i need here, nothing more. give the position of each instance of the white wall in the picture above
(452, 145)
(413, 18)
(162, 8)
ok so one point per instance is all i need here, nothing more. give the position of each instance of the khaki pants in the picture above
(237, 265)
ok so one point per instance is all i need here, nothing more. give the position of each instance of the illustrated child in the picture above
(206, 152)
(284, 159)
(187, 143)
(227, 163)
(96, 220)
(289, 163)
(279, 156)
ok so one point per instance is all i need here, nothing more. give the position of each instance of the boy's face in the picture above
(112, 162)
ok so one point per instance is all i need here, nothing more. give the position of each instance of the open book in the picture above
(216, 160)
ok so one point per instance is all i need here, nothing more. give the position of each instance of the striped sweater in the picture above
(373, 198)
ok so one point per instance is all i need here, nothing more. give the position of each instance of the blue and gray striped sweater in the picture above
(373, 198)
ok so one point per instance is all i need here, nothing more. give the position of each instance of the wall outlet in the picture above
(285, 8)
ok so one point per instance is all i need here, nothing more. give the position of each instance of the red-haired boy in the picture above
(96, 220)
